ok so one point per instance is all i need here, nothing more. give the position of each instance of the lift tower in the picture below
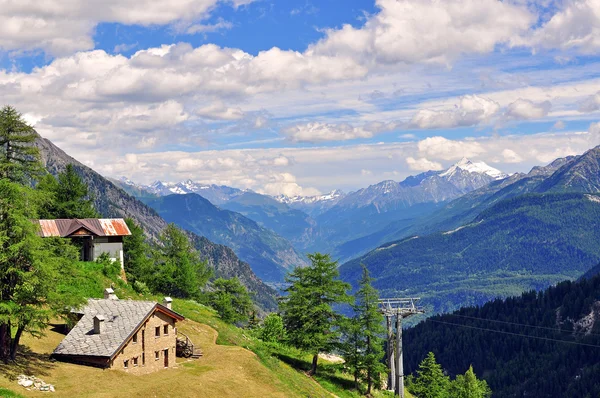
(400, 308)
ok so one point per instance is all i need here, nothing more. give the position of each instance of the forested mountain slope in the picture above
(544, 344)
(270, 255)
(111, 201)
(527, 242)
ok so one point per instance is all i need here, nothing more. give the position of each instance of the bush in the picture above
(141, 287)
(110, 268)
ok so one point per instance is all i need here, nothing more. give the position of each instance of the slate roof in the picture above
(122, 318)
(96, 226)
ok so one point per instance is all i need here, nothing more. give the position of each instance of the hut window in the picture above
(135, 361)
(166, 329)
(157, 331)
(126, 364)
(135, 338)
(156, 355)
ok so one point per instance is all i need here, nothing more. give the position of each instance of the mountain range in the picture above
(525, 232)
(331, 222)
(112, 201)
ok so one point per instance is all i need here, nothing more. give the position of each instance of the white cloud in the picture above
(218, 110)
(525, 109)
(422, 164)
(591, 103)
(575, 26)
(61, 27)
(408, 31)
(559, 125)
(510, 156)
(443, 148)
(319, 132)
(470, 110)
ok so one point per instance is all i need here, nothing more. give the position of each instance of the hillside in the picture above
(269, 255)
(527, 242)
(534, 345)
(111, 201)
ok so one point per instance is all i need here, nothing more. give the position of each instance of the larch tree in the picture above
(468, 386)
(136, 254)
(180, 271)
(431, 382)
(369, 326)
(231, 300)
(19, 158)
(310, 320)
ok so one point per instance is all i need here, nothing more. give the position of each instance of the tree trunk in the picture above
(5, 342)
(313, 369)
(15, 343)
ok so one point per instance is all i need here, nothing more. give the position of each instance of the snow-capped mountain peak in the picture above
(473, 167)
(331, 196)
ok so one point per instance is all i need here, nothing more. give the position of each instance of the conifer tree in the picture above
(370, 327)
(272, 329)
(231, 300)
(180, 272)
(430, 381)
(136, 254)
(311, 323)
(19, 159)
(72, 197)
(31, 267)
(468, 386)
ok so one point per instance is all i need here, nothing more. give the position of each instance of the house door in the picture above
(167, 358)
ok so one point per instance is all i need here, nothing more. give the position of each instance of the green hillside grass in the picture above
(234, 362)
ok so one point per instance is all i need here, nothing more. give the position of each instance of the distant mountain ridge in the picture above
(329, 222)
(270, 255)
(112, 201)
(519, 233)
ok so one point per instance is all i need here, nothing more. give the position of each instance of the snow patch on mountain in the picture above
(473, 167)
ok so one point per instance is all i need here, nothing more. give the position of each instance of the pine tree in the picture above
(430, 381)
(370, 326)
(231, 300)
(180, 271)
(19, 159)
(468, 386)
(30, 269)
(311, 323)
(72, 197)
(136, 254)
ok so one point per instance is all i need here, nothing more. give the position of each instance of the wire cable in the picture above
(517, 334)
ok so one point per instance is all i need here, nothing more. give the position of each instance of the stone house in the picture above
(137, 337)
(95, 236)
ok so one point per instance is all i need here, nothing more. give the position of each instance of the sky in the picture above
(301, 97)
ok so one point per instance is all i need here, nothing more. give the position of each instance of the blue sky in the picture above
(301, 97)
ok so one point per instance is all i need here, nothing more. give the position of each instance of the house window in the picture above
(166, 329)
(135, 338)
(143, 359)
(126, 364)
(135, 361)
(157, 331)
(156, 355)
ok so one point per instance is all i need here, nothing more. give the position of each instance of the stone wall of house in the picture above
(147, 354)
(111, 245)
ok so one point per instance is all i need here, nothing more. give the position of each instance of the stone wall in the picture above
(148, 345)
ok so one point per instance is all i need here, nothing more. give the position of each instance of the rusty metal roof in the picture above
(91, 226)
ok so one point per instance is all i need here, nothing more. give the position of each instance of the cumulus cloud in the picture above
(470, 110)
(319, 132)
(220, 111)
(408, 31)
(590, 104)
(422, 164)
(510, 156)
(62, 27)
(443, 148)
(575, 26)
(525, 109)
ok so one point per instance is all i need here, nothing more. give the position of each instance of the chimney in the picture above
(109, 294)
(167, 302)
(99, 327)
